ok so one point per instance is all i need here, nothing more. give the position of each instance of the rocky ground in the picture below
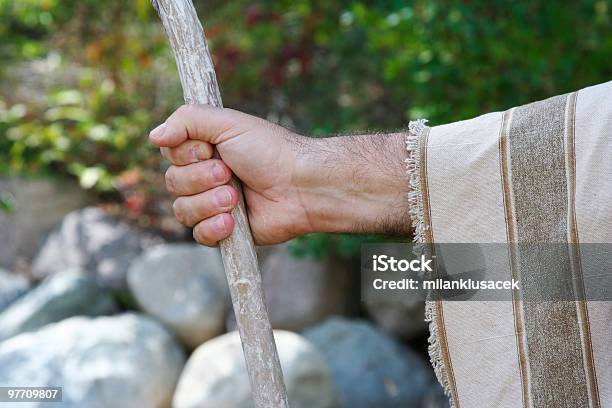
(118, 317)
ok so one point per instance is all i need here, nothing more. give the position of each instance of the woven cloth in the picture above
(541, 172)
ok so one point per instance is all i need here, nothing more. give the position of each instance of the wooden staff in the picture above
(200, 86)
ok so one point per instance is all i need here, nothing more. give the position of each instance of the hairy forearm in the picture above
(354, 184)
(292, 184)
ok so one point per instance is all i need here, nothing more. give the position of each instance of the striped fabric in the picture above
(538, 173)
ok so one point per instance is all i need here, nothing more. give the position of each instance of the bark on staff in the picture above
(200, 86)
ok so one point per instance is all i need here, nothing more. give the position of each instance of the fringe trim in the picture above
(413, 169)
(415, 205)
(435, 351)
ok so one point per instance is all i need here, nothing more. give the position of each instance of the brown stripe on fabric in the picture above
(519, 328)
(425, 186)
(438, 308)
(582, 305)
(539, 191)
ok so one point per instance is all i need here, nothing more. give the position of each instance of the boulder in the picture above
(94, 241)
(215, 375)
(301, 291)
(435, 398)
(37, 205)
(369, 368)
(119, 361)
(58, 297)
(12, 286)
(404, 320)
(184, 286)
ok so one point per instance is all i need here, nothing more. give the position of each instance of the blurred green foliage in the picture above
(319, 67)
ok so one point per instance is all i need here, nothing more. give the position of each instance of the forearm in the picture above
(292, 184)
(354, 184)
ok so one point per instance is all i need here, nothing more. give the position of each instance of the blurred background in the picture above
(103, 293)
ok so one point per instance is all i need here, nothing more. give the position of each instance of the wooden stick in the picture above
(200, 86)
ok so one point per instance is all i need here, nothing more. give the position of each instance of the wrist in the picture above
(354, 184)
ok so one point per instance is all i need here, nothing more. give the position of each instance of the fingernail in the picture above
(218, 172)
(203, 152)
(194, 153)
(220, 223)
(158, 132)
(223, 197)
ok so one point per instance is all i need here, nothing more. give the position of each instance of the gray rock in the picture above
(120, 361)
(369, 368)
(184, 286)
(435, 398)
(215, 375)
(38, 204)
(404, 320)
(302, 291)
(92, 240)
(12, 286)
(60, 296)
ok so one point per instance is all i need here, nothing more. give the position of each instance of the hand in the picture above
(292, 184)
(263, 156)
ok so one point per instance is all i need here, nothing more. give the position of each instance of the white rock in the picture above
(184, 286)
(215, 375)
(369, 368)
(120, 361)
(302, 291)
(92, 240)
(63, 295)
(12, 286)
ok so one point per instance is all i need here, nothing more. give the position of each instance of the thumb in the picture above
(197, 122)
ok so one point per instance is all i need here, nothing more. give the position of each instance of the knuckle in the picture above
(175, 156)
(183, 108)
(194, 177)
(186, 110)
(169, 178)
(170, 153)
(198, 235)
(178, 210)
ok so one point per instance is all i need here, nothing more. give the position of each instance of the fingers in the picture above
(199, 122)
(204, 200)
(186, 139)
(197, 177)
(190, 210)
(212, 230)
(191, 151)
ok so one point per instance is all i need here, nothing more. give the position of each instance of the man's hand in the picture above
(293, 185)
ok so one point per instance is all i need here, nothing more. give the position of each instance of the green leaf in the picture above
(7, 202)
(90, 176)
(99, 133)
(67, 97)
